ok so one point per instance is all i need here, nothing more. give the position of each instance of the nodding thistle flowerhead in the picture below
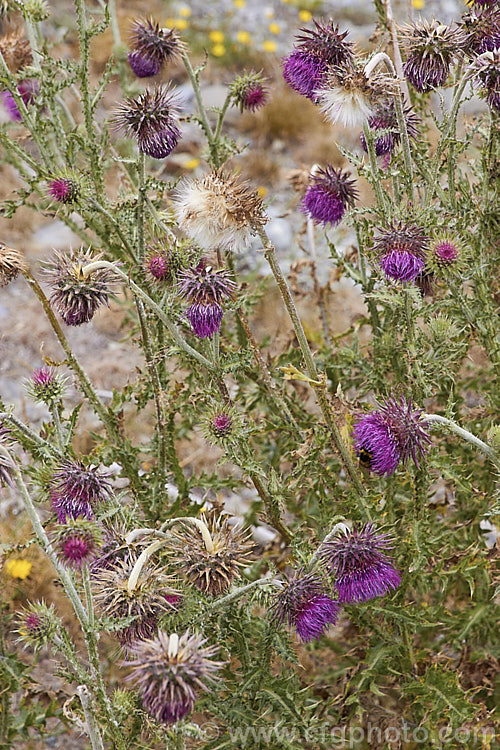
(212, 567)
(46, 386)
(152, 47)
(401, 250)
(248, 91)
(169, 671)
(431, 49)
(219, 211)
(328, 196)
(305, 68)
(487, 76)
(141, 608)
(64, 189)
(350, 96)
(151, 119)
(206, 288)
(11, 264)
(27, 91)
(304, 605)
(482, 27)
(384, 124)
(391, 434)
(77, 296)
(38, 623)
(78, 543)
(78, 490)
(359, 562)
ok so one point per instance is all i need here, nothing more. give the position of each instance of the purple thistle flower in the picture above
(152, 47)
(77, 490)
(385, 119)
(248, 91)
(401, 250)
(304, 605)
(151, 119)
(205, 319)
(431, 49)
(206, 288)
(306, 67)
(37, 624)
(78, 543)
(63, 190)
(169, 671)
(482, 27)
(487, 76)
(445, 252)
(222, 424)
(358, 561)
(330, 193)
(158, 267)
(27, 91)
(391, 434)
(45, 385)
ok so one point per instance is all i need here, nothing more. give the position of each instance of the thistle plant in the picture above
(247, 503)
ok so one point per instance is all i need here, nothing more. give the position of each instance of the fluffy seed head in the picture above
(391, 434)
(487, 76)
(11, 264)
(27, 91)
(431, 48)
(350, 97)
(384, 123)
(169, 671)
(78, 543)
(219, 211)
(304, 605)
(37, 623)
(152, 46)
(78, 490)
(212, 571)
(248, 91)
(46, 386)
(329, 194)
(401, 251)
(76, 296)
(151, 119)
(359, 562)
(142, 607)
(64, 190)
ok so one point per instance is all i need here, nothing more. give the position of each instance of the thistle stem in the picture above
(91, 724)
(465, 434)
(379, 194)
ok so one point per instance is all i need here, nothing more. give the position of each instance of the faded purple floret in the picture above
(385, 119)
(425, 72)
(254, 97)
(142, 66)
(205, 319)
(482, 27)
(401, 251)
(304, 604)
(391, 434)
(77, 549)
(222, 424)
(304, 73)
(358, 561)
(487, 70)
(158, 267)
(205, 284)
(160, 145)
(27, 90)
(330, 193)
(76, 490)
(151, 119)
(445, 252)
(63, 190)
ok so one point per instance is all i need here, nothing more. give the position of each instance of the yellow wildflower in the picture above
(305, 15)
(180, 23)
(18, 568)
(185, 12)
(240, 3)
(217, 37)
(274, 28)
(192, 163)
(218, 50)
(268, 45)
(244, 37)
(418, 4)
(262, 191)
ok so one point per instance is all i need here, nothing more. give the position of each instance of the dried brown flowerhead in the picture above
(11, 264)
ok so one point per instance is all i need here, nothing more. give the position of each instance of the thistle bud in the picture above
(11, 264)
(219, 211)
(78, 490)
(152, 47)
(219, 425)
(78, 543)
(212, 571)
(77, 296)
(46, 386)
(151, 119)
(169, 671)
(401, 250)
(249, 92)
(446, 254)
(328, 196)
(35, 10)
(64, 189)
(443, 331)
(38, 623)
(161, 264)
(431, 48)
(493, 437)
(305, 605)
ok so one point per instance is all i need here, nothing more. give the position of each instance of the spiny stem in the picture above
(465, 434)
(90, 721)
(379, 194)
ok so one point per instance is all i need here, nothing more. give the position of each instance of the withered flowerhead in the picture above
(303, 604)
(152, 47)
(16, 50)
(328, 196)
(76, 296)
(487, 77)
(219, 211)
(431, 47)
(306, 67)
(212, 570)
(78, 490)
(384, 124)
(152, 120)
(350, 96)
(248, 91)
(11, 264)
(401, 250)
(77, 543)
(145, 603)
(169, 671)
(482, 28)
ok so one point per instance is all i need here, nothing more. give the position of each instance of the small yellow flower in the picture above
(185, 12)
(305, 15)
(240, 3)
(262, 191)
(18, 568)
(218, 50)
(268, 45)
(192, 163)
(418, 4)
(217, 37)
(180, 23)
(274, 28)
(244, 37)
